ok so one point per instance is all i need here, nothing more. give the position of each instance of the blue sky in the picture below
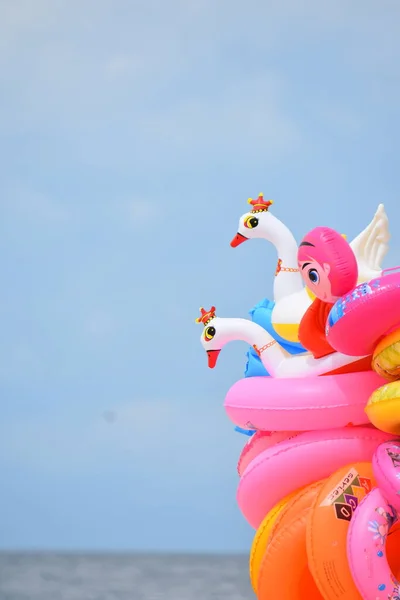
(132, 134)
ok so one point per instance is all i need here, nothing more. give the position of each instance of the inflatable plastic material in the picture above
(327, 530)
(219, 331)
(329, 267)
(261, 538)
(262, 315)
(305, 408)
(291, 298)
(312, 329)
(307, 458)
(248, 432)
(366, 547)
(383, 408)
(386, 465)
(280, 543)
(260, 441)
(353, 325)
(327, 264)
(270, 404)
(386, 357)
(285, 574)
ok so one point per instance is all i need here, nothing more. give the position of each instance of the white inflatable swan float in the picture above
(220, 331)
(291, 298)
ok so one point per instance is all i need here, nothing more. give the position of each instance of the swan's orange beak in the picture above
(238, 239)
(212, 357)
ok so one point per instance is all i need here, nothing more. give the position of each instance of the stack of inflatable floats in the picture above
(320, 400)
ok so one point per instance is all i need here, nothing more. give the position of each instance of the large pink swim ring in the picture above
(305, 459)
(309, 403)
(260, 441)
(359, 320)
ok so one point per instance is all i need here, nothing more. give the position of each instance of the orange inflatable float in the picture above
(327, 528)
(261, 539)
(287, 546)
(308, 530)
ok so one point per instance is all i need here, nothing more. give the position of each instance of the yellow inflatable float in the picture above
(386, 357)
(383, 407)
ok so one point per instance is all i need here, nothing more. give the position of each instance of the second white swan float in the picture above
(220, 331)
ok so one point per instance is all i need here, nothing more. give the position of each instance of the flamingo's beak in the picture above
(212, 357)
(238, 239)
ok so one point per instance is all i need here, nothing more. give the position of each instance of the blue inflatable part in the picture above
(254, 366)
(262, 315)
(248, 432)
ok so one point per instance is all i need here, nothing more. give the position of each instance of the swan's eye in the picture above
(313, 276)
(250, 222)
(209, 333)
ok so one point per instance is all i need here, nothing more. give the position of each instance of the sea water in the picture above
(40, 576)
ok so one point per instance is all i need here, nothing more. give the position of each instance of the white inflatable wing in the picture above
(371, 246)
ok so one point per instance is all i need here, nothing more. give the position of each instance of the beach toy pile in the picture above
(319, 477)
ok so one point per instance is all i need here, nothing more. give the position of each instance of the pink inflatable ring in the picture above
(386, 466)
(260, 441)
(353, 327)
(309, 403)
(305, 459)
(366, 548)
